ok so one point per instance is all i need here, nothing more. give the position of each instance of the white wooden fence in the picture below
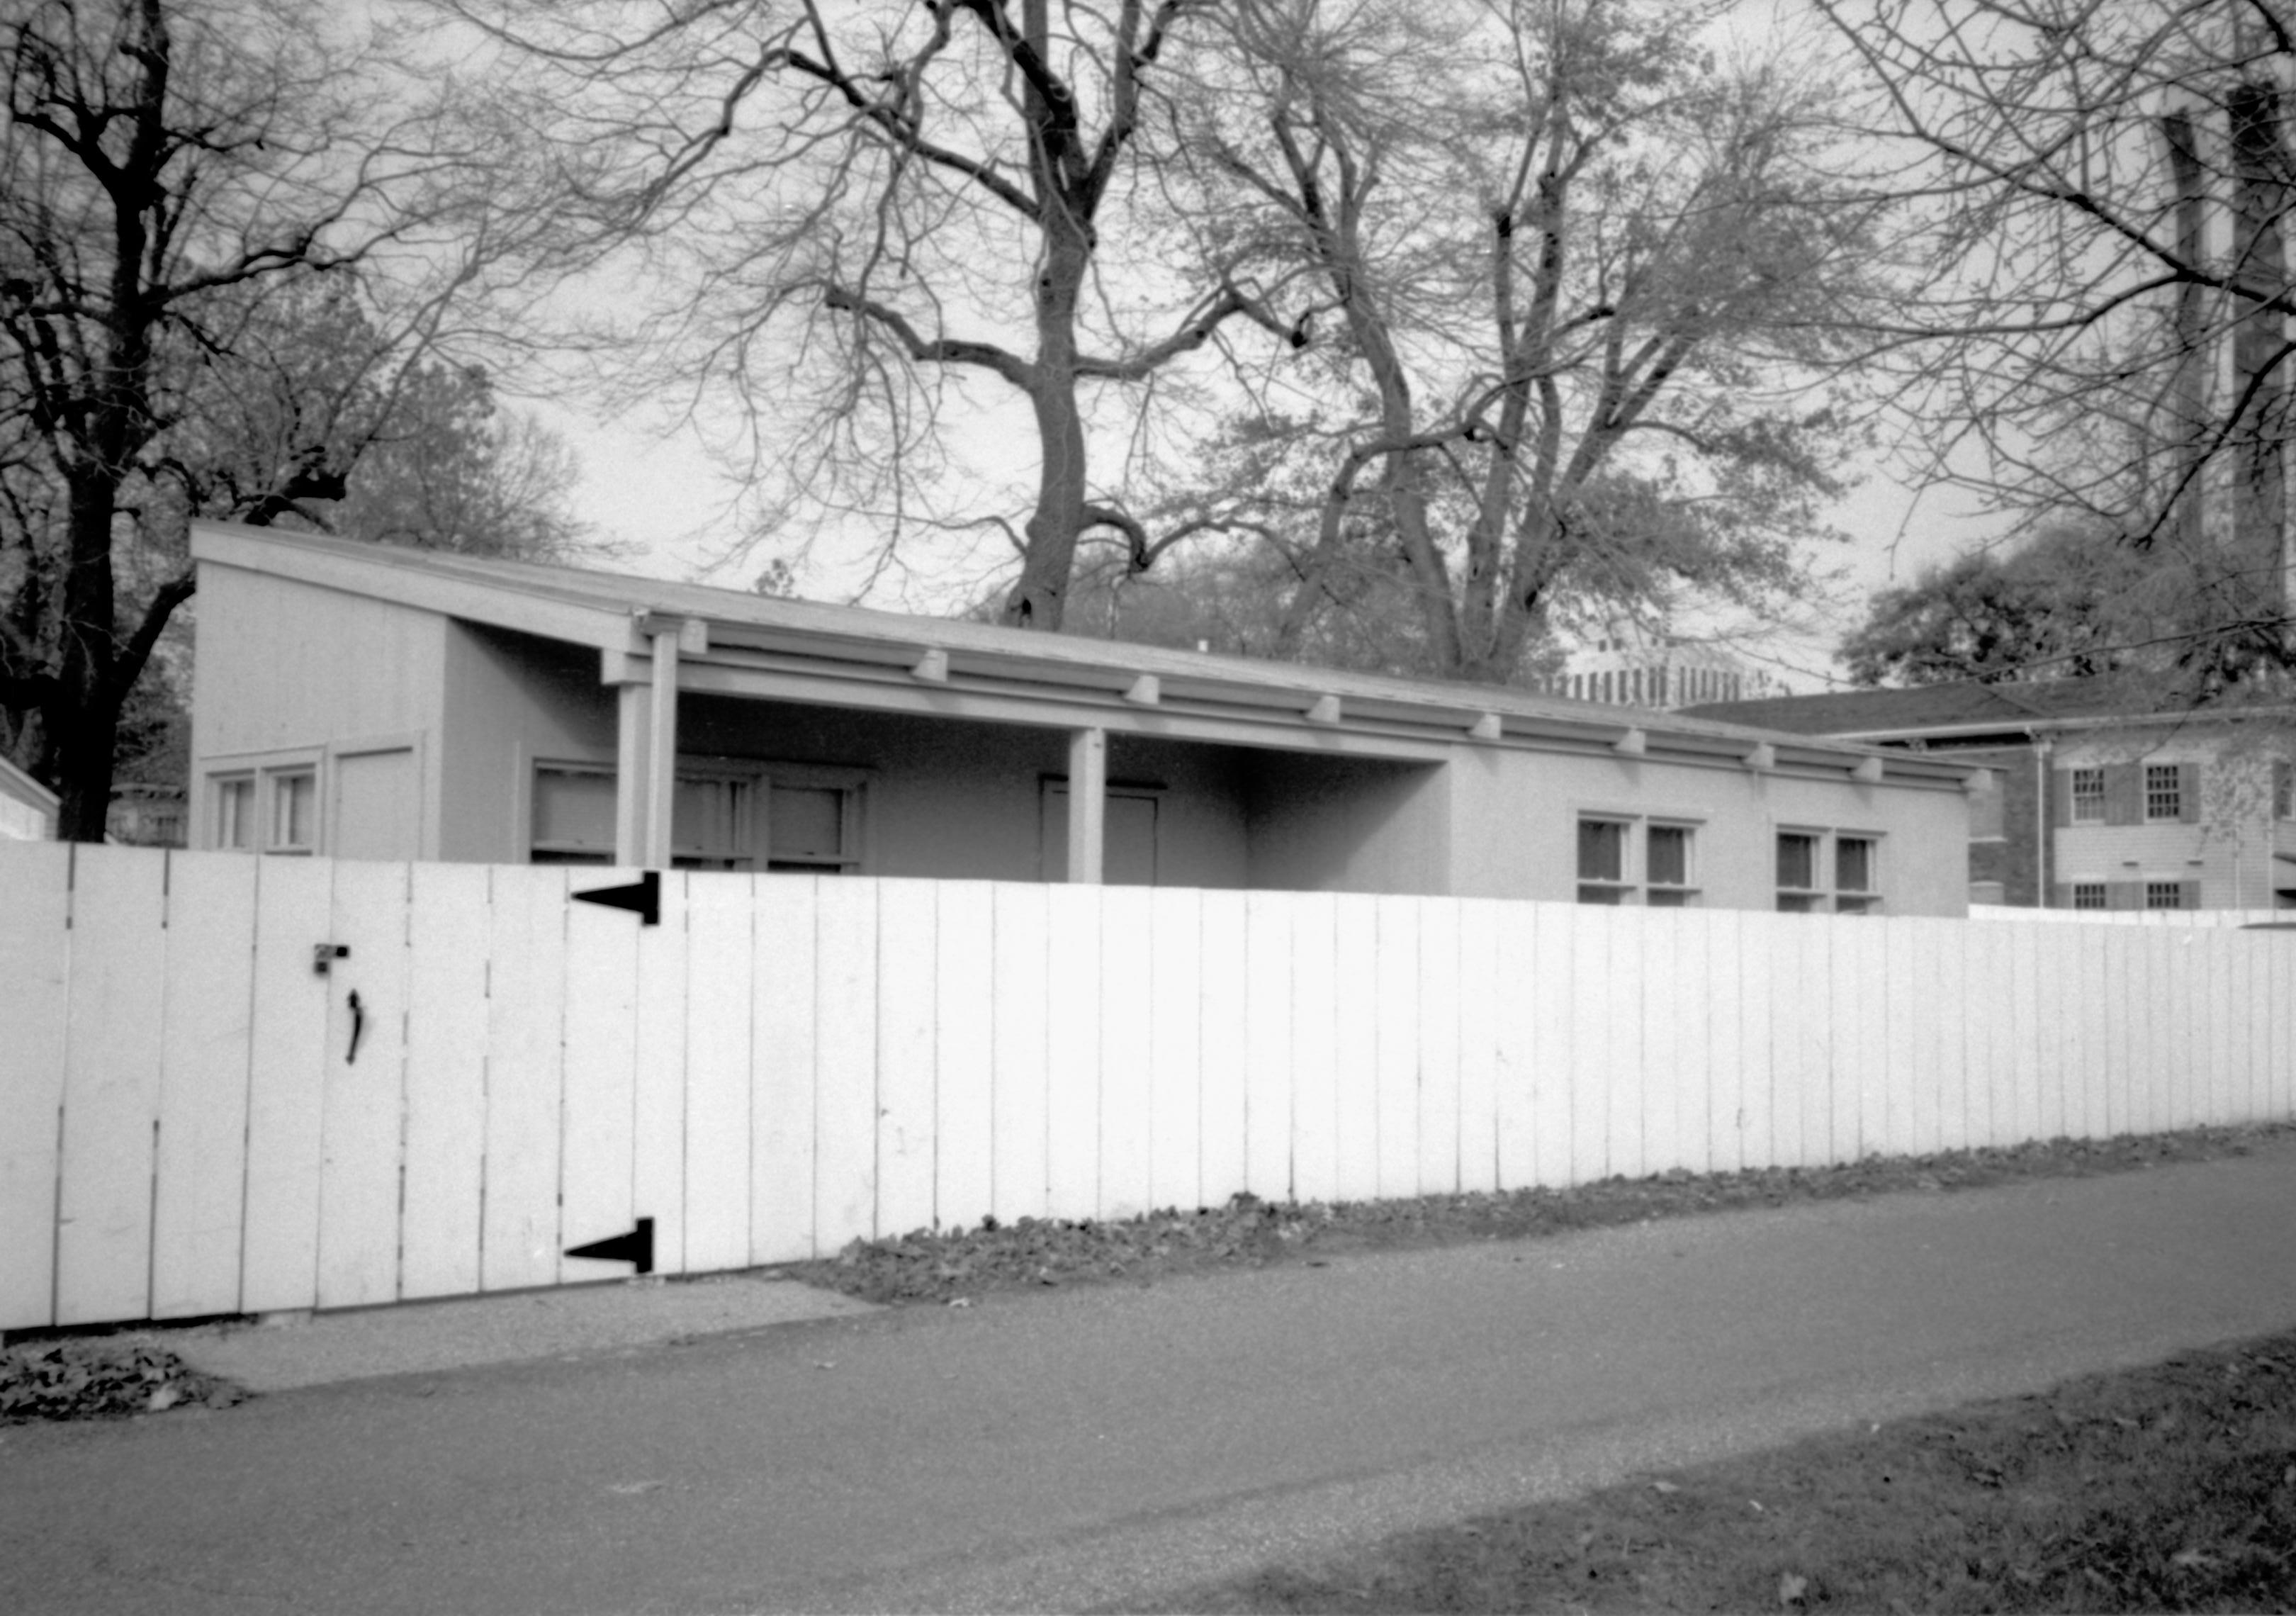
(786, 1062)
(2238, 919)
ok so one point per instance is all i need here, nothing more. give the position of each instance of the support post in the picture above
(661, 748)
(632, 701)
(1087, 803)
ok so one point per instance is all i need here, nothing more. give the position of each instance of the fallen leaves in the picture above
(101, 1377)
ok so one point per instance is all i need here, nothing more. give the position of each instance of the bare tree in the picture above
(1584, 284)
(850, 209)
(165, 166)
(2103, 334)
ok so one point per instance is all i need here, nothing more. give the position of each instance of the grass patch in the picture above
(101, 1377)
(2167, 1488)
(951, 1265)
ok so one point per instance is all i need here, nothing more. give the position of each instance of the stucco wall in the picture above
(282, 668)
(1516, 816)
(512, 699)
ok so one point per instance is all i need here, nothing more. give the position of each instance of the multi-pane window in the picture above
(234, 821)
(1667, 849)
(808, 825)
(2283, 790)
(1853, 874)
(2164, 894)
(2164, 795)
(1621, 859)
(811, 828)
(1602, 861)
(573, 820)
(266, 810)
(1798, 892)
(2089, 895)
(2089, 796)
(294, 810)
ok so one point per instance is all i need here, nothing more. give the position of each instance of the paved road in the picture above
(1097, 1448)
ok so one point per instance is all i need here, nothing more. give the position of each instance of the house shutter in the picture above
(2124, 894)
(2189, 795)
(2124, 793)
(2188, 895)
(2060, 786)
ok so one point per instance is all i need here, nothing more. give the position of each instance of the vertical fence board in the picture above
(1021, 1168)
(34, 963)
(720, 941)
(1933, 1028)
(1673, 1059)
(845, 1056)
(1314, 1049)
(1268, 1046)
(2024, 1055)
(1515, 1079)
(1990, 1086)
(1126, 1104)
(1176, 976)
(287, 1052)
(448, 917)
(1954, 1056)
(965, 1053)
(1222, 1091)
(2261, 1012)
(906, 987)
(1619, 1006)
(1355, 971)
(2124, 976)
(2154, 969)
(2214, 1003)
(1861, 1039)
(1552, 992)
(783, 1009)
(1073, 1101)
(587, 1062)
(2055, 1030)
(1759, 944)
(1802, 1123)
(659, 1079)
(1723, 1035)
(2093, 1071)
(539, 1140)
(596, 1040)
(1397, 1044)
(111, 1087)
(201, 1172)
(1479, 931)
(1595, 1008)
(363, 1124)
(1438, 1045)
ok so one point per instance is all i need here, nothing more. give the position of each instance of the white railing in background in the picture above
(785, 1063)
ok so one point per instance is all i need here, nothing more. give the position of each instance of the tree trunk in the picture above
(1039, 596)
(86, 719)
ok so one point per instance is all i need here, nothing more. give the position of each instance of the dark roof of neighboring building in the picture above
(1967, 709)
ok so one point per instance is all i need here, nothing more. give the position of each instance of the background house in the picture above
(27, 810)
(2098, 800)
(366, 701)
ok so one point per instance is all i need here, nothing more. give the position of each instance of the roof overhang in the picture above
(759, 648)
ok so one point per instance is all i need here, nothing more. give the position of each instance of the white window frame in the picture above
(1857, 900)
(852, 856)
(1632, 885)
(1687, 889)
(2076, 890)
(265, 776)
(1826, 895)
(2094, 801)
(2174, 792)
(752, 847)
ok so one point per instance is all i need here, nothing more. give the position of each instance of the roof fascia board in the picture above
(2014, 727)
(998, 707)
(380, 578)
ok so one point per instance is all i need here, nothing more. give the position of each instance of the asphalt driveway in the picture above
(1098, 1448)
